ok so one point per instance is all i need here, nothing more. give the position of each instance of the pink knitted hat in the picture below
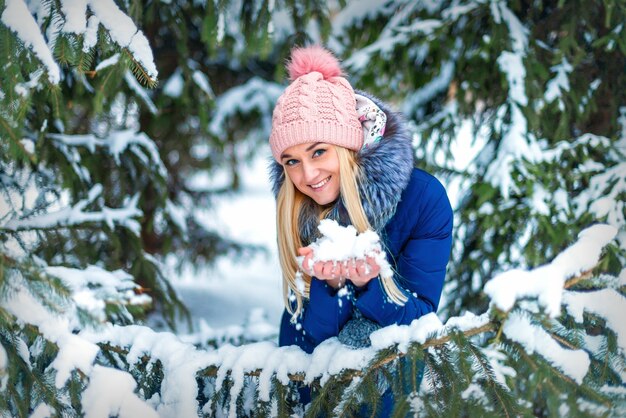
(318, 106)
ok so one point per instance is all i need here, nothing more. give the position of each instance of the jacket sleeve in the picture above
(420, 265)
(323, 317)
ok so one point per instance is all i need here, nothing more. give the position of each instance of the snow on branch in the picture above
(256, 95)
(18, 18)
(183, 363)
(93, 287)
(546, 282)
(119, 25)
(111, 393)
(76, 353)
(117, 142)
(76, 215)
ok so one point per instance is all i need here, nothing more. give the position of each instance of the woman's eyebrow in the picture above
(313, 146)
(306, 150)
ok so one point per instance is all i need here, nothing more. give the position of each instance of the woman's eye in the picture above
(291, 162)
(318, 152)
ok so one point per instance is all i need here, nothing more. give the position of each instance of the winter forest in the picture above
(138, 268)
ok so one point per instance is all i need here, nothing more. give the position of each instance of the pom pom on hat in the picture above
(313, 58)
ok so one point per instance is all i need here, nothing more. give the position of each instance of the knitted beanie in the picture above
(318, 106)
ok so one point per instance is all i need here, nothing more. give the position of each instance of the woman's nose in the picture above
(310, 172)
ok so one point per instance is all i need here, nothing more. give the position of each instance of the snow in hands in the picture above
(343, 243)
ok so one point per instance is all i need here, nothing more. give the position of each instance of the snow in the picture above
(174, 85)
(92, 286)
(560, 82)
(76, 215)
(18, 18)
(343, 244)
(202, 81)
(418, 331)
(124, 32)
(112, 60)
(256, 95)
(75, 12)
(110, 393)
(546, 282)
(42, 411)
(116, 143)
(91, 33)
(74, 352)
(180, 362)
(438, 84)
(4, 372)
(140, 91)
(606, 303)
(574, 363)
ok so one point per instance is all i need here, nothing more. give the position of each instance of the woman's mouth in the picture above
(320, 184)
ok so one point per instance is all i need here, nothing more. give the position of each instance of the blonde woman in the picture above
(343, 155)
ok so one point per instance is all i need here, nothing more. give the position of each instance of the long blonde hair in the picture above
(288, 206)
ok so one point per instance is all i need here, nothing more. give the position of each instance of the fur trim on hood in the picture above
(386, 168)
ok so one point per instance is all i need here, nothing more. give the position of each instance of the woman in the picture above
(345, 156)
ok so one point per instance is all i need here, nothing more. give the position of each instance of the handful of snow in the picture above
(343, 243)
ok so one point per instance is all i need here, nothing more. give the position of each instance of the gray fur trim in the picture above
(386, 169)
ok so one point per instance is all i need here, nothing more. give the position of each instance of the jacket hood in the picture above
(386, 168)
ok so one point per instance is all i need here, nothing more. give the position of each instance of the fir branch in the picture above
(139, 71)
(500, 392)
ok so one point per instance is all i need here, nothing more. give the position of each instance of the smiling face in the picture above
(314, 170)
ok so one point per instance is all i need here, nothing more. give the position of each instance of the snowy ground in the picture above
(228, 296)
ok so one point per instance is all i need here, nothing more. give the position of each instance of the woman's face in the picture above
(314, 169)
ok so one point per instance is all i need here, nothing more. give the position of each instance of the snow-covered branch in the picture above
(331, 359)
(76, 215)
(117, 142)
(120, 27)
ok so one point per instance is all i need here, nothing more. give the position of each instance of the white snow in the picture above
(74, 352)
(574, 363)
(141, 92)
(606, 303)
(202, 81)
(4, 372)
(546, 282)
(418, 331)
(75, 12)
(91, 33)
(256, 95)
(111, 393)
(560, 82)
(180, 363)
(18, 18)
(42, 411)
(124, 32)
(112, 60)
(118, 142)
(76, 215)
(174, 85)
(343, 244)
(92, 286)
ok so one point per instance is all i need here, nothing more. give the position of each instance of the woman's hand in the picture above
(327, 271)
(335, 273)
(360, 272)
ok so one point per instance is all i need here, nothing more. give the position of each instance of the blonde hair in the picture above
(289, 204)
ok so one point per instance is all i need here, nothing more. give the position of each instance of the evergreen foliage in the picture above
(100, 169)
